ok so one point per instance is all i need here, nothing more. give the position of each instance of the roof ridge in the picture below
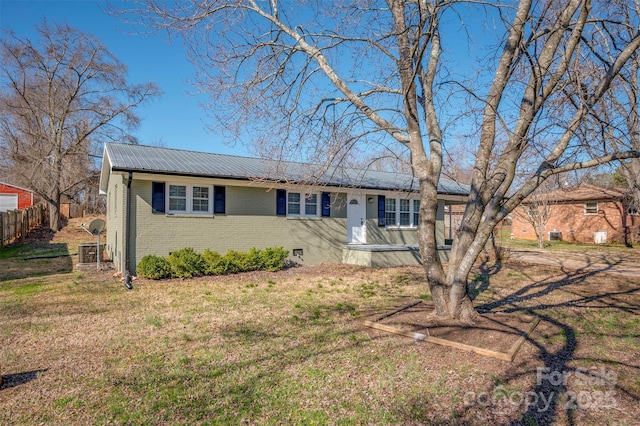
(367, 169)
(335, 173)
(182, 150)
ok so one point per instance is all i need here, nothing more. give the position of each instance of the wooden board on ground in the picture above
(504, 333)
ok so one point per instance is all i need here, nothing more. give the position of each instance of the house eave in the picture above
(279, 182)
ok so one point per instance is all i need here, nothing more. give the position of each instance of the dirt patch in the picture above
(493, 331)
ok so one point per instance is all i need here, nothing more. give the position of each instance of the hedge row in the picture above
(186, 263)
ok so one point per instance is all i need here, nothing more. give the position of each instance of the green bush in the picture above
(154, 267)
(253, 260)
(186, 263)
(212, 260)
(232, 262)
(273, 258)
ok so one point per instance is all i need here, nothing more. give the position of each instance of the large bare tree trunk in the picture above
(54, 216)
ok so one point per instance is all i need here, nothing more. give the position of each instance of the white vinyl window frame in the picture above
(402, 213)
(301, 204)
(186, 198)
(591, 208)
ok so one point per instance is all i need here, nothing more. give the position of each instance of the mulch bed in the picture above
(493, 331)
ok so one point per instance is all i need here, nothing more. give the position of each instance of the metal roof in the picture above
(153, 159)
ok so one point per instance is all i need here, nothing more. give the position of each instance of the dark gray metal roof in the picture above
(153, 159)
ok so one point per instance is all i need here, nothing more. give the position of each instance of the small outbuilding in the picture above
(13, 197)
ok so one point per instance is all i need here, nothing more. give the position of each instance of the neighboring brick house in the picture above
(585, 214)
(13, 197)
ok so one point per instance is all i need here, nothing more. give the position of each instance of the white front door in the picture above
(356, 219)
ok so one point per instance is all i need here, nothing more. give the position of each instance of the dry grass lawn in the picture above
(290, 347)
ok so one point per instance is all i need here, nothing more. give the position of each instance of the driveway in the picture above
(606, 262)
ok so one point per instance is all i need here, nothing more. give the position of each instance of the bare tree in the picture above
(537, 208)
(385, 73)
(618, 119)
(59, 102)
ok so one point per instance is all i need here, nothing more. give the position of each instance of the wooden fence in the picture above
(15, 225)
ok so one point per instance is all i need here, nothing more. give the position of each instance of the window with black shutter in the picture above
(281, 202)
(219, 197)
(157, 197)
(381, 210)
(326, 204)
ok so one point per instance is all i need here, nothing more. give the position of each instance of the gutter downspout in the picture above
(127, 220)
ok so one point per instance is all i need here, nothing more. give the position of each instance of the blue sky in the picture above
(175, 119)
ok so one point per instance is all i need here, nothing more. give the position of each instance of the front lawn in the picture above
(290, 348)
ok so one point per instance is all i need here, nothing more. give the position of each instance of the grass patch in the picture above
(290, 348)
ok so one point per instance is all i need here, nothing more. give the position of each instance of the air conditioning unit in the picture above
(555, 235)
(87, 253)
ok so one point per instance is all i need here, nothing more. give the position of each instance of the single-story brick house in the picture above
(13, 197)
(585, 214)
(181, 199)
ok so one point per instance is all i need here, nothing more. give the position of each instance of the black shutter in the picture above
(219, 196)
(281, 202)
(326, 204)
(157, 197)
(381, 211)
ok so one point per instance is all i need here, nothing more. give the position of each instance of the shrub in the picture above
(273, 258)
(233, 262)
(186, 263)
(154, 267)
(212, 260)
(253, 260)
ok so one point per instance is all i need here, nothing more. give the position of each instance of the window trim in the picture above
(189, 198)
(201, 198)
(412, 213)
(303, 205)
(587, 208)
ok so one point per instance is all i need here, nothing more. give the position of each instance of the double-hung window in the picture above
(401, 212)
(189, 199)
(405, 212)
(301, 204)
(390, 211)
(311, 205)
(200, 201)
(177, 198)
(293, 206)
(591, 208)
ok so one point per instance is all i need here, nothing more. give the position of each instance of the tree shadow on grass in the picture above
(551, 396)
(17, 379)
(480, 282)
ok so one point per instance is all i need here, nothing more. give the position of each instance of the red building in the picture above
(586, 214)
(13, 197)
